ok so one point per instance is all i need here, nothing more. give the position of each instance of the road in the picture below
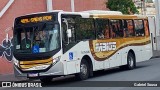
(145, 71)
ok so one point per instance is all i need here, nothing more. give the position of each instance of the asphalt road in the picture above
(145, 71)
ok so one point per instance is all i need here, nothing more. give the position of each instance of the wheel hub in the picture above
(131, 61)
(83, 69)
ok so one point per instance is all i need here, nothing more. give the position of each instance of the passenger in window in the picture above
(101, 35)
(146, 28)
(130, 28)
(42, 39)
(107, 31)
(113, 31)
(125, 29)
(120, 29)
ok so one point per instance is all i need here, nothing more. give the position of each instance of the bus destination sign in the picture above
(36, 19)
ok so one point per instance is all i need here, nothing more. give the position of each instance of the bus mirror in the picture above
(69, 33)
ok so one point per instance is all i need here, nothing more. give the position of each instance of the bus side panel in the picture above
(74, 56)
(115, 60)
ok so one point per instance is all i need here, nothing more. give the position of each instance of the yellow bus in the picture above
(59, 43)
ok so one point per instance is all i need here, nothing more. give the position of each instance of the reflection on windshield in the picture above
(37, 39)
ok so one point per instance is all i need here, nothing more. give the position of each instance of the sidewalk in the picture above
(11, 77)
(156, 54)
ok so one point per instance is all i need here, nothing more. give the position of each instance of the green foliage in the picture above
(125, 6)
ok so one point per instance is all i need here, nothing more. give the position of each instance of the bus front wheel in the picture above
(84, 70)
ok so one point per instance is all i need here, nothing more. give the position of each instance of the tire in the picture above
(84, 71)
(46, 79)
(131, 61)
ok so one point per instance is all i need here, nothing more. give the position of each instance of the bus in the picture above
(59, 43)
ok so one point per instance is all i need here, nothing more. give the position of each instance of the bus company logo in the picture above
(6, 84)
(20, 85)
(103, 47)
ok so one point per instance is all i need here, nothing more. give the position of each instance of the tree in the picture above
(125, 6)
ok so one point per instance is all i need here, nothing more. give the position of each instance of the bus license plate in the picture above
(33, 75)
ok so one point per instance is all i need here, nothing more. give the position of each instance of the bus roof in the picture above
(101, 12)
(98, 14)
(118, 16)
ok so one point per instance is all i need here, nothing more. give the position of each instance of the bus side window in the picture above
(146, 27)
(84, 29)
(102, 28)
(130, 29)
(139, 28)
(116, 28)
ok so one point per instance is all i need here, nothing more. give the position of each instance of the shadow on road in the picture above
(71, 80)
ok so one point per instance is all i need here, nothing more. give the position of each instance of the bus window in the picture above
(129, 30)
(102, 27)
(25, 38)
(85, 29)
(116, 28)
(139, 27)
(146, 27)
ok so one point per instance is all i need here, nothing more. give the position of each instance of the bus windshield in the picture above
(37, 38)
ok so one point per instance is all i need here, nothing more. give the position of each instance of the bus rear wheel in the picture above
(84, 70)
(131, 62)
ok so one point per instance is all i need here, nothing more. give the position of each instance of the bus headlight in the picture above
(55, 60)
(16, 62)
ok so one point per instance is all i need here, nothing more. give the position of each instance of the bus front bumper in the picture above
(54, 70)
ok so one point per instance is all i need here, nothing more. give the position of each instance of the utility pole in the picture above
(49, 5)
(143, 7)
(157, 2)
(72, 6)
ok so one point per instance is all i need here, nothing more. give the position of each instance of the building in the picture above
(9, 9)
(145, 7)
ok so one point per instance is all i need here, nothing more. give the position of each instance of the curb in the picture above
(155, 57)
(11, 77)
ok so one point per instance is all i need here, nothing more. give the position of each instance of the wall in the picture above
(80, 5)
(18, 8)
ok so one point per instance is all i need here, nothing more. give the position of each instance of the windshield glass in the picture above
(38, 38)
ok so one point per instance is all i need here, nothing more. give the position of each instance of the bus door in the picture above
(69, 41)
